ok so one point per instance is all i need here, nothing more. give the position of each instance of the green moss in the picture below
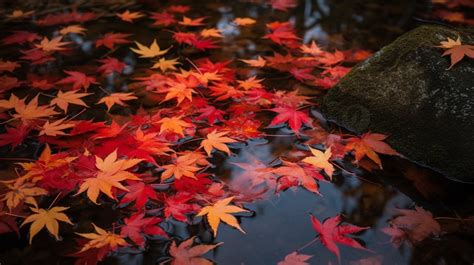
(405, 91)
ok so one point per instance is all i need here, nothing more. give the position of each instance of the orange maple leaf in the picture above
(173, 124)
(55, 128)
(321, 160)
(368, 144)
(116, 98)
(52, 45)
(62, 100)
(129, 16)
(48, 218)
(111, 172)
(182, 166)
(101, 238)
(216, 140)
(32, 111)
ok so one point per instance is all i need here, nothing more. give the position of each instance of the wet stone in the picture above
(406, 91)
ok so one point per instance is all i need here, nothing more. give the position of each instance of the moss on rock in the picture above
(406, 91)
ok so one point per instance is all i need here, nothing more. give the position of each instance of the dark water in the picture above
(279, 224)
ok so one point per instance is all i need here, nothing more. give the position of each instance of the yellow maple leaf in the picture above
(77, 29)
(32, 111)
(52, 45)
(22, 191)
(55, 128)
(48, 218)
(221, 211)
(173, 124)
(212, 32)
(116, 98)
(182, 166)
(450, 43)
(62, 100)
(111, 172)
(244, 21)
(217, 140)
(149, 52)
(321, 160)
(164, 64)
(102, 238)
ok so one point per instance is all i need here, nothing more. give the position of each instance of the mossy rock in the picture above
(407, 92)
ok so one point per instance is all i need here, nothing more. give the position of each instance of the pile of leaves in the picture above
(142, 127)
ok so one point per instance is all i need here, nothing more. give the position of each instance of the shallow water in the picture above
(278, 224)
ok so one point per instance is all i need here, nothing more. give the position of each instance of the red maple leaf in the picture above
(178, 206)
(140, 193)
(14, 135)
(294, 117)
(78, 79)
(110, 39)
(137, 226)
(111, 65)
(332, 232)
(20, 37)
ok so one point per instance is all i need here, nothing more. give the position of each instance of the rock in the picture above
(407, 92)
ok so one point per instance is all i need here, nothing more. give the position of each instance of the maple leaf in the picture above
(78, 79)
(111, 172)
(165, 65)
(211, 114)
(304, 176)
(259, 62)
(329, 59)
(111, 65)
(149, 52)
(313, 49)
(48, 218)
(458, 52)
(283, 5)
(20, 37)
(302, 74)
(191, 22)
(173, 124)
(295, 259)
(368, 144)
(77, 29)
(110, 39)
(136, 225)
(10, 103)
(52, 45)
(177, 206)
(22, 191)
(8, 66)
(221, 211)
(162, 19)
(140, 193)
(184, 254)
(116, 98)
(182, 166)
(101, 238)
(294, 117)
(14, 135)
(216, 140)
(250, 83)
(55, 128)
(416, 224)
(332, 232)
(244, 21)
(129, 16)
(32, 111)
(321, 160)
(213, 32)
(450, 43)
